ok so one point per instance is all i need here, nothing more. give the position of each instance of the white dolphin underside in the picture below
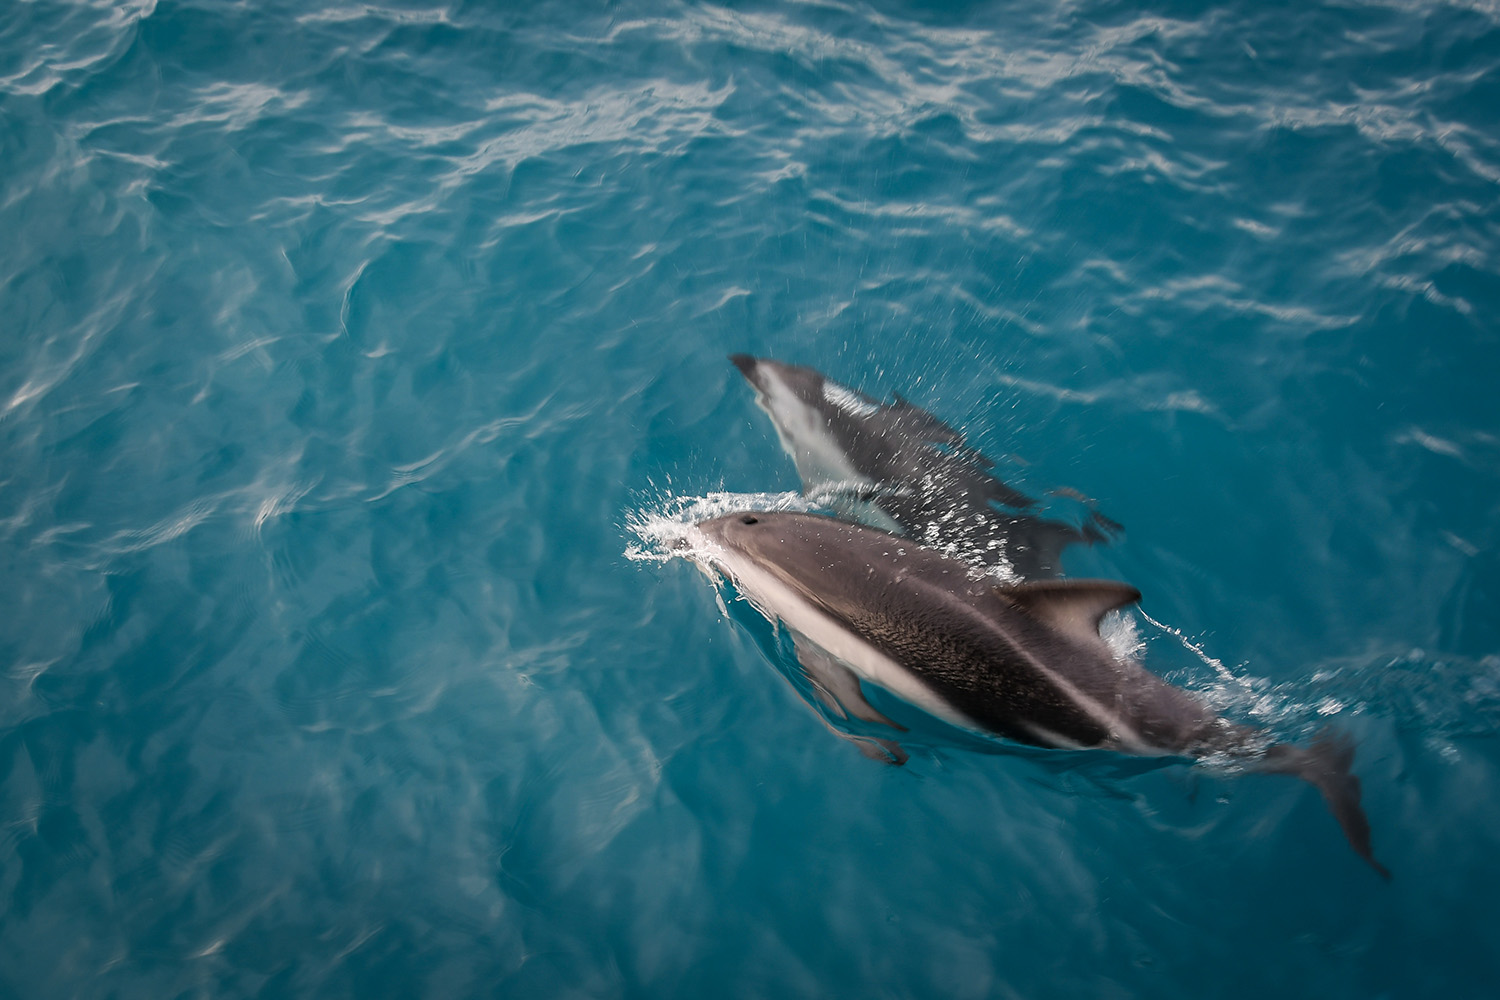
(774, 599)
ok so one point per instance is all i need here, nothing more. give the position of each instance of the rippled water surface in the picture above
(345, 347)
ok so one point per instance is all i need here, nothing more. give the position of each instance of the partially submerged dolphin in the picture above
(896, 466)
(1024, 661)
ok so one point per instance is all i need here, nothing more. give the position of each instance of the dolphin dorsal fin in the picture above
(1071, 606)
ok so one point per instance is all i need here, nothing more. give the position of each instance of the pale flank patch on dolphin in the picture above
(804, 434)
(1021, 661)
(847, 400)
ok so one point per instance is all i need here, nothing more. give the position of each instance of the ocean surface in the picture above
(345, 349)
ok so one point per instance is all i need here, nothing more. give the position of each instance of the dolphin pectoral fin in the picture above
(884, 751)
(1326, 766)
(1073, 607)
(836, 686)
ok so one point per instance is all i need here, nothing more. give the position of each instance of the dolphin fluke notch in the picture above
(1326, 765)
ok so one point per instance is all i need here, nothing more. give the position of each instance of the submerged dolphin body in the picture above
(897, 467)
(1024, 661)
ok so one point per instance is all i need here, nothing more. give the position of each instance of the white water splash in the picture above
(1119, 632)
(1256, 697)
(671, 529)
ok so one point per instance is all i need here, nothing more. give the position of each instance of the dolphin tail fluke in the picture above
(1325, 765)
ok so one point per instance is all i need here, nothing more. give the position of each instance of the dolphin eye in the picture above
(749, 519)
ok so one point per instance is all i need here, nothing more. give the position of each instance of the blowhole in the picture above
(749, 519)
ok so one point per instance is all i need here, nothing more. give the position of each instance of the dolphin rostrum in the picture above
(897, 467)
(1023, 661)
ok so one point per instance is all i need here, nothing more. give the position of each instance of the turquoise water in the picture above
(341, 345)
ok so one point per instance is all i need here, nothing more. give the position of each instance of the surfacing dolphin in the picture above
(897, 467)
(1023, 661)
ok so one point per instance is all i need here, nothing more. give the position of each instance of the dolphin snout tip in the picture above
(745, 363)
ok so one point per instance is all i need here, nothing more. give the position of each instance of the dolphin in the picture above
(1022, 661)
(896, 466)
